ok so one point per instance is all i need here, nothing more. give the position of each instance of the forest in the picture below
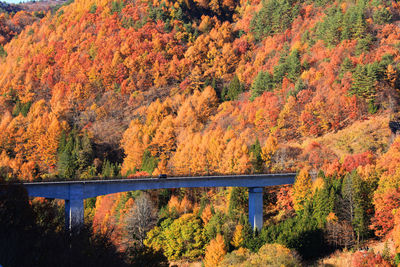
(93, 89)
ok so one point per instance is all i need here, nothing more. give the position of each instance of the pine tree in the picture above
(67, 160)
(360, 220)
(85, 154)
(263, 82)
(3, 52)
(293, 66)
(107, 170)
(364, 82)
(256, 158)
(149, 163)
(234, 89)
(237, 201)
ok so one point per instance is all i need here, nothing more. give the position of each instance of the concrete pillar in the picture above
(256, 207)
(74, 212)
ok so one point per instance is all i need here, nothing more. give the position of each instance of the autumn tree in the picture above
(269, 150)
(215, 252)
(237, 239)
(301, 189)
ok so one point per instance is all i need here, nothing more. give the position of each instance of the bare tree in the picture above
(339, 234)
(140, 219)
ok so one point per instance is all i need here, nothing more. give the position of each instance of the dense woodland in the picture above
(136, 88)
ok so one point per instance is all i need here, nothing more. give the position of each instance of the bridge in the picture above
(74, 192)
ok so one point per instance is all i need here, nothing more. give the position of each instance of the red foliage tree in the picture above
(385, 204)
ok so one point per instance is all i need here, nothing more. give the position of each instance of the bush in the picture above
(268, 255)
(368, 258)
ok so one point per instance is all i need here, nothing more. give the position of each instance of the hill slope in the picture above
(97, 65)
(136, 88)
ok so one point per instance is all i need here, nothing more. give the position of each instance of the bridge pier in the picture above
(256, 207)
(74, 214)
(74, 211)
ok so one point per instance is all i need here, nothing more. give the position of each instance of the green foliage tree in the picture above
(66, 160)
(75, 155)
(363, 44)
(110, 169)
(93, 9)
(355, 202)
(3, 52)
(21, 108)
(382, 16)
(234, 89)
(182, 238)
(324, 203)
(84, 157)
(301, 233)
(237, 202)
(255, 156)
(337, 26)
(364, 82)
(347, 66)
(293, 65)
(117, 6)
(275, 16)
(214, 226)
(263, 82)
(149, 163)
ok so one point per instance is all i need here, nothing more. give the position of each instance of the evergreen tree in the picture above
(149, 163)
(355, 203)
(237, 201)
(324, 203)
(347, 66)
(263, 82)
(293, 65)
(3, 52)
(360, 221)
(256, 159)
(84, 154)
(234, 89)
(108, 169)
(364, 82)
(67, 161)
(275, 16)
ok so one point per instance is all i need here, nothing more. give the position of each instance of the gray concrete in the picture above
(74, 192)
(256, 207)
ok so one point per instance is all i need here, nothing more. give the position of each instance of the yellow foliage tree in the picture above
(302, 189)
(269, 149)
(215, 252)
(237, 238)
(206, 214)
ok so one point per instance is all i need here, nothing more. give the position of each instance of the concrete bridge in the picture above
(74, 192)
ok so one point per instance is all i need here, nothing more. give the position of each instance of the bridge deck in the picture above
(92, 188)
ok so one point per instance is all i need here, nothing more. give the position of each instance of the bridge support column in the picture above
(256, 207)
(74, 211)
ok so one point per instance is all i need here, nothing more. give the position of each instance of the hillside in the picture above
(99, 68)
(136, 88)
(15, 17)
